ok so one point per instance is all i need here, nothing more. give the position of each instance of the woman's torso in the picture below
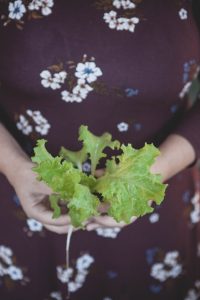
(138, 75)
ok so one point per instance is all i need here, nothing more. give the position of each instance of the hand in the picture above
(33, 196)
(105, 221)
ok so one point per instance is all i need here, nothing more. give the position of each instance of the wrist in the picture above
(161, 167)
(176, 154)
(16, 164)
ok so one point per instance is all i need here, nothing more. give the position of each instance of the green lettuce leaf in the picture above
(89, 181)
(67, 183)
(60, 176)
(76, 157)
(41, 153)
(128, 184)
(82, 206)
(54, 198)
(95, 145)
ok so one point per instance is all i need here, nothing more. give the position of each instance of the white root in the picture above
(69, 234)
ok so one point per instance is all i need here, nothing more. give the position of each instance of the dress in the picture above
(119, 66)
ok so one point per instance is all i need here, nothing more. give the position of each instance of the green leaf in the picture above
(82, 206)
(95, 145)
(128, 185)
(89, 181)
(76, 157)
(60, 176)
(54, 198)
(41, 153)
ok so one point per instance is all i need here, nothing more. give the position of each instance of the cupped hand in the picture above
(105, 221)
(33, 196)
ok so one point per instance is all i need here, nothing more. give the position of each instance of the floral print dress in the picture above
(121, 66)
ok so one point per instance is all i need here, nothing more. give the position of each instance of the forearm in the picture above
(176, 154)
(11, 154)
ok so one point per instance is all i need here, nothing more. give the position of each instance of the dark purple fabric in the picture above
(137, 100)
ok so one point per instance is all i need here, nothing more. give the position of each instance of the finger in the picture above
(99, 172)
(93, 226)
(107, 221)
(103, 207)
(43, 187)
(45, 216)
(150, 202)
(57, 229)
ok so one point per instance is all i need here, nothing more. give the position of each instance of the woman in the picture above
(119, 66)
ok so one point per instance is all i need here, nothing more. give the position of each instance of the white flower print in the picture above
(54, 82)
(8, 267)
(130, 24)
(169, 268)
(80, 278)
(43, 128)
(64, 274)
(46, 7)
(158, 272)
(121, 23)
(125, 4)
(84, 262)
(194, 217)
(111, 19)
(15, 273)
(34, 5)
(48, 80)
(195, 213)
(153, 218)
(69, 97)
(34, 225)
(16, 10)
(88, 71)
(56, 295)
(78, 79)
(36, 122)
(82, 89)
(126, 24)
(123, 126)
(175, 271)
(24, 125)
(194, 294)
(6, 254)
(183, 14)
(171, 258)
(108, 232)
(117, 3)
(41, 124)
(82, 265)
(60, 77)
(73, 286)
